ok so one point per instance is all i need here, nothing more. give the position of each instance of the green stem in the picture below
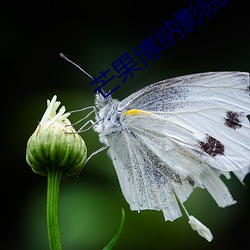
(54, 177)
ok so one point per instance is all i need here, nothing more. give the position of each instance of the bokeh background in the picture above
(95, 34)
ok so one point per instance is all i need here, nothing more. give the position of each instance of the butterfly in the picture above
(175, 135)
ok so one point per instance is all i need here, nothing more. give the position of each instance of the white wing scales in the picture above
(194, 128)
(174, 93)
(191, 170)
(236, 146)
(141, 184)
(210, 105)
(151, 170)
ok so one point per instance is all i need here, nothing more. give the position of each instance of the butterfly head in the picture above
(101, 101)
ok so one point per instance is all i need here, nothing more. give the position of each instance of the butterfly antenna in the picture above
(68, 60)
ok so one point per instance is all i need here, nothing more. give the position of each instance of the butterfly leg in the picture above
(94, 153)
(82, 128)
(86, 116)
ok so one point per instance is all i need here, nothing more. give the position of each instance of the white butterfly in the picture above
(175, 135)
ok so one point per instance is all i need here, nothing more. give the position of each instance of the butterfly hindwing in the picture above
(143, 186)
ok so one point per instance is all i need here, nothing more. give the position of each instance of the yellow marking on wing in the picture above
(137, 112)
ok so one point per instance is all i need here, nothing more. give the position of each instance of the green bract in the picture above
(55, 143)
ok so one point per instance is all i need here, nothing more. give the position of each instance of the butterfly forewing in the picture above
(174, 93)
(210, 106)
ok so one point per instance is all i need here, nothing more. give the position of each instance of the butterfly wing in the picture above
(173, 93)
(152, 167)
(213, 106)
(179, 134)
(141, 185)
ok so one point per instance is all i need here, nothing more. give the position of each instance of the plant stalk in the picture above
(53, 185)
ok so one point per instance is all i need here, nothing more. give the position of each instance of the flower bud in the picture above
(55, 144)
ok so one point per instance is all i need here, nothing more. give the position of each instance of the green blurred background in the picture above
(95, 34)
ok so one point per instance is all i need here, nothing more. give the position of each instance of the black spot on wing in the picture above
(191, 181)
(212, 146)
(233, 119)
